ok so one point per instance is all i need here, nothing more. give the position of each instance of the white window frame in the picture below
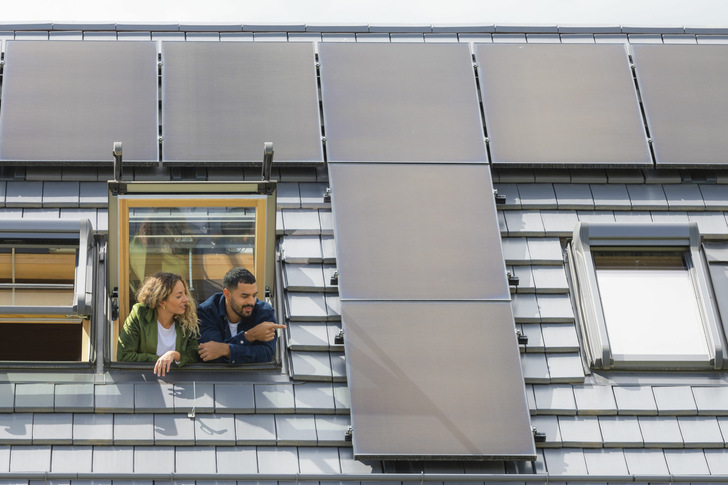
(589, 237)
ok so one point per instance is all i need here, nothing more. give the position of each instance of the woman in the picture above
(162, 327)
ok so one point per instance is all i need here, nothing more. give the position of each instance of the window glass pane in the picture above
(199, 243)
(26, 273)
(650, 305)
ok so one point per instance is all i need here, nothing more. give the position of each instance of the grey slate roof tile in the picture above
(559, 337)
(303, 277)
(35, 397)
(559, 223)
(530, 398)
(74, 397)
(595, 216)
(301, 222)
(114, 398)
(93, 194)
(329, 270)
(331, 429)
(274, 398)
(93, 429)
(350, 466)
(282, 459)
(646, 462)
(502, 226)
(605, 462)
(524, 223)
(342, 400)
(595, 400)
(660, 432)
(556, 399)
(24, 194)
(71, 459)
(555, 308)
(710, 223)
(153, 459)
(565, 367)
(338, 366)
(288, 196)
(173, 429)
(214, 429)
(577, 38)
(195, 460)
(306, 306)
(197, 395)
(16, 428)
(550, 279)
(717, 462)
(683, 197)
(4, 458)
(647, 197)
(635, 400)
(154, 398)
(295, 429)
(2, 193)
(525, 308)
(52, 428)
(633, 216)
(526, 283)
(715, 197)
(711, 400)
(312, 195)
(43, 214)
(60, 194)
(535, 368)
(326, 221)
(322, 460)
(314, 397)
(113, 459)
(513, 198)
(580, 431)
(279, 223)
(328, 249)
(588, 176)
(549, 425)
(574, 196)
(610, 197)
(133, 429)
(302, 249)
(234, 398)
(675, 400)
(684, 462)
(255, 429)
(671, 217)
(565, 461)
(30, 459)
(621, 432)
(535, 337)
(625, 176)
(515, 250)
(236, 459)
(537, 196)
(700, 432)
(545, 250)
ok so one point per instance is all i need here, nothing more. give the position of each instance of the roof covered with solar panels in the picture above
(568, 124)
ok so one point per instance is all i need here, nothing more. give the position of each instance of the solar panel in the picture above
(222, 101)
(429, 232)
(70, 101)
(684, 89)
(400, 103)
(435, 380)
(561, 105)
(432, 361)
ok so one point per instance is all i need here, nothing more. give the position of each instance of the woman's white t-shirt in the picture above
(166, 338)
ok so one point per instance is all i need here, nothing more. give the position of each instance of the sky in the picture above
(643, 13)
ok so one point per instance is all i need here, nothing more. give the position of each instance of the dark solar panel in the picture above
(437, 380)
(424, 233)
(70, 101)
(684, 89)
(561, 105)
(222, 101)
(400, 103)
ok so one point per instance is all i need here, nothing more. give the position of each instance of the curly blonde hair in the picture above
(158, 287)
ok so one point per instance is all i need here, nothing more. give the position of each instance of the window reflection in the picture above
(199, 243)
(650, 305)
(27, 272)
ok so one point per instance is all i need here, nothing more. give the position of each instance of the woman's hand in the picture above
(164, 363)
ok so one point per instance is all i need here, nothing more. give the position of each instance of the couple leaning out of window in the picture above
(164, 327)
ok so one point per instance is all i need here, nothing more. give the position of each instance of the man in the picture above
(235, 326)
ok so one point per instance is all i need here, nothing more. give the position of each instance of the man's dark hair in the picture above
(236, 276)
